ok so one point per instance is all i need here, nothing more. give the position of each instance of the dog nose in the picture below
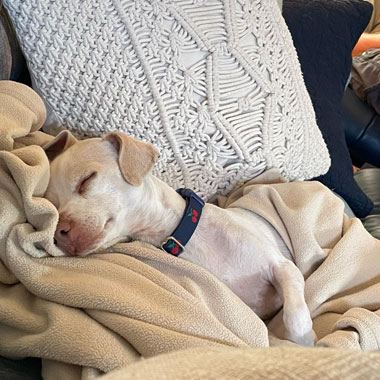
(63, 227)
(62, 235)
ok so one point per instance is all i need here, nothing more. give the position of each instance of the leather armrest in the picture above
(362, 129)
(5, 49)
(369, 181)
(12, 62)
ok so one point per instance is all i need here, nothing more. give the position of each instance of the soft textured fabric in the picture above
(324, 33)
(216, 86)
(257, 364)
(347, 209)
(12, 62)
(365, 77)
(105, 311)
(5, 50)
(374, 23)
(339, 259)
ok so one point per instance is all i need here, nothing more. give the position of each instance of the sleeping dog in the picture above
(104, 192)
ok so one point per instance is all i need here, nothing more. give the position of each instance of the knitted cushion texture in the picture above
(215, 85)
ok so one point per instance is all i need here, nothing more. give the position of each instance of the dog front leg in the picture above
(290, 284)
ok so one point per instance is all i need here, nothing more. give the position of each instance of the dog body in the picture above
(104, 193)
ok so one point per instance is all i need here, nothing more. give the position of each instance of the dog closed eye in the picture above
(85, 182)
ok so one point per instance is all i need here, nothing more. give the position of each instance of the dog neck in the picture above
(161, 210)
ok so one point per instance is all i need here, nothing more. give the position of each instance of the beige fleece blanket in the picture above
(340, 260)
(276, 363)
(108, 310)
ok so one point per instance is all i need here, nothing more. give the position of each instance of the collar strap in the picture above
(175, 244)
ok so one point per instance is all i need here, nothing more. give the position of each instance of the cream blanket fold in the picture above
(227, 363)
(338, 257)
(107, 310)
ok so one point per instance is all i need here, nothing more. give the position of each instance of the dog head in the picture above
(95, 184)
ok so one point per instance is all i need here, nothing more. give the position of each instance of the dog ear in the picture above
(59, 144)
(136, 158)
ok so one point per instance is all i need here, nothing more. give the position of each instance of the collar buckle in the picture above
(170, 249)
(175, 241)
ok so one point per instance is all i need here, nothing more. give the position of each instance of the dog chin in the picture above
(96, 248)
(83, 253)
(110, 243)
(103, 246)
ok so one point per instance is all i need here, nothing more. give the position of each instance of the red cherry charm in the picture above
(174, 251)
(194, 219)
(195, 212)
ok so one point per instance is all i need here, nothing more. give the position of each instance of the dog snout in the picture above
(74, 237)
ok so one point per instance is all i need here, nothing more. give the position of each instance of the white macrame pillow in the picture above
(215, 85)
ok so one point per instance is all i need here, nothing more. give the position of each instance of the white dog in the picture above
(104, 192)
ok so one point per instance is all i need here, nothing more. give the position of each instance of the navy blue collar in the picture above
(175, 243)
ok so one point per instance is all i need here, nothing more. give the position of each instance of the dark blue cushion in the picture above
(324, 33)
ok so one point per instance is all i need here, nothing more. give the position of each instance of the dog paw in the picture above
(299, 326)
(307, 339)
